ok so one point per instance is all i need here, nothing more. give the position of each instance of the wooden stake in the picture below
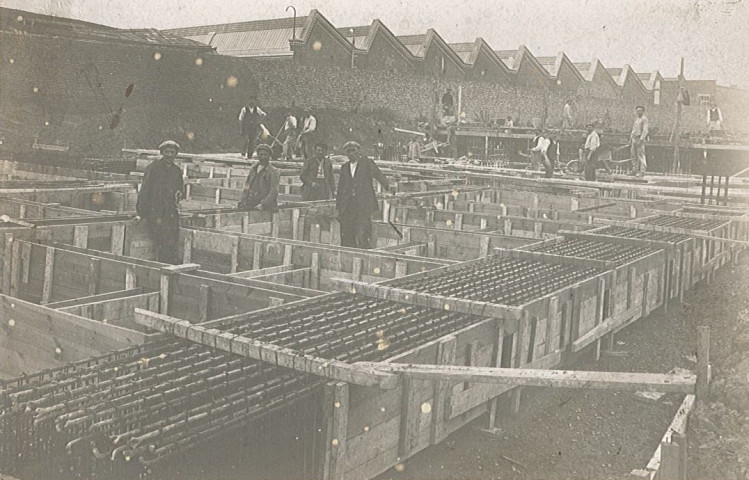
(49, 271)
(703, 362)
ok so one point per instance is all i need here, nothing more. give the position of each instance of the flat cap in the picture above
(168, 143)
(265, 148)
(351, 144)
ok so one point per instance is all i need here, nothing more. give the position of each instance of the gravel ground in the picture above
(564, 433)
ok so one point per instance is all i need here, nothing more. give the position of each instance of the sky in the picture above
(712, 35)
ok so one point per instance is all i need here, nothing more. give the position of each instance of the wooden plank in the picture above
(131, 280)
(80, 236)
(118, 239)
(49, 269)
(314, 282)
(94, 266)
(340, 419)
(234, 254)
(617, 381)
(187, 247)
(204, 303)
(102, 297)
(497, 363)
(266, 352)
(257, 256)
(446, 351)
(410, 413)
(164, 292)
(7, 260)
(678, 425)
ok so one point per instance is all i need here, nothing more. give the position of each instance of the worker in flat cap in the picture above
(318, 182)
(158, 202)
(260, 190)
(356, 200)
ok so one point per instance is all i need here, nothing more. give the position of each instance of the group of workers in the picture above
(356, 201)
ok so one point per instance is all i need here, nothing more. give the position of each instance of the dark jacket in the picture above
(314, 186)
(261, 188)
(358, 192)
(161, 190)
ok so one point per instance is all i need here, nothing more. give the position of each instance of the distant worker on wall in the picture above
(539, 144)
(356, 200)
(413, 150)
(318, 182)
(568, 122)
(508, 122)
(260, 191)
(290, 134)
(551, 155)
(590, 155)
(158, 202)
(250, 118)
(637, 142)
(448, 108)
(309, 133)
(714, 119)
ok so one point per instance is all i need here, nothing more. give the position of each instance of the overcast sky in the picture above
(712, 35)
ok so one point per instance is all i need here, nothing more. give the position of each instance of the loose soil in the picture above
(589, 434)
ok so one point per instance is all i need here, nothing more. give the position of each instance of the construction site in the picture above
(502, 324)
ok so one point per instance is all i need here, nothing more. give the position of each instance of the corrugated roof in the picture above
(251, 26)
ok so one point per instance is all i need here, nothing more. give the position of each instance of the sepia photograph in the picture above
(374, 240)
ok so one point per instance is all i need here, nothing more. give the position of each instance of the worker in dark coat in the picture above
(158, 201)
(260, 190)
(318, 182)
(356, 200)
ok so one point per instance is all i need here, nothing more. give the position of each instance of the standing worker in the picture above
(447, 103)
(158, 202)
(289, 132)
(540, 144)
(260, 191)
(637, 142)
(414, 149)
(318, 182)
(714, 119)
(592, 144)
(307, 137)
(551, 155)
(356, 200)
(249, 123)
(568, 123)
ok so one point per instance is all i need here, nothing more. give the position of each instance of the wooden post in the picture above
(410, 413)
(335, 421)
(246, 222)
(314, 282)
(356, 269)
(80, 236)
(703, 362)
(508, 226)
(401, 268)
(7, 259)
(445, 356)
(496, 363)
(275, 225)
(234, 254)
(94, 265)
(669, 468)
(164, 291)
(645, 301)
(431, 246)
(15, 267)
(22, 211)
(118, 239)
(187, 247)
(131, 281)
(295, 213)
(257, 256)
(681, 441)
(49, 272)
(484, 245)
(335, 232)
(204, 312)
(288, 251)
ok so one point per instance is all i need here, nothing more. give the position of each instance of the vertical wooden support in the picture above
(15, 265)
(472, 350)
(49, 272)
(204, 303)
(599, 312)
(484, 245)
(356, 269)
(523, 325)
(94, 267)
(503, 210)
(431, 245)
(471, 207)
(288, 251)
(483, 223)
(669, 468)
(429, 219)
(218, 195)
(234, 254)
(131, 281)
(187, 247)
(703, 362)
(188, 191)
(631, 287)
(335, 232)
(385, 210)
(575, 318)
(446, 350)
(164, 291)
(682, 274)
(681, 440)
(410, 413)
(335, 422)
(508, 226)
(295, 213)
(401, 268)
(314, 282)
(25, 262)
(552, 324)
(7, 259)
(538, 229)
(211, 172)
(403, 216)
(667, 272)
(458, 221)
(645, 300)
(574, 204)
(22, 211)
(275, 224)
(80, 236)
(632, 211)
(534, 203)
(257, 256)
(246, 222)
(496, 362)
(118, 239)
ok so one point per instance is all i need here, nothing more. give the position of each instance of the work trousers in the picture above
(548, 167)
(289, 144)
(356, 229)
(164, 232)
(639, 160)
(589, 168)
(251, 137)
